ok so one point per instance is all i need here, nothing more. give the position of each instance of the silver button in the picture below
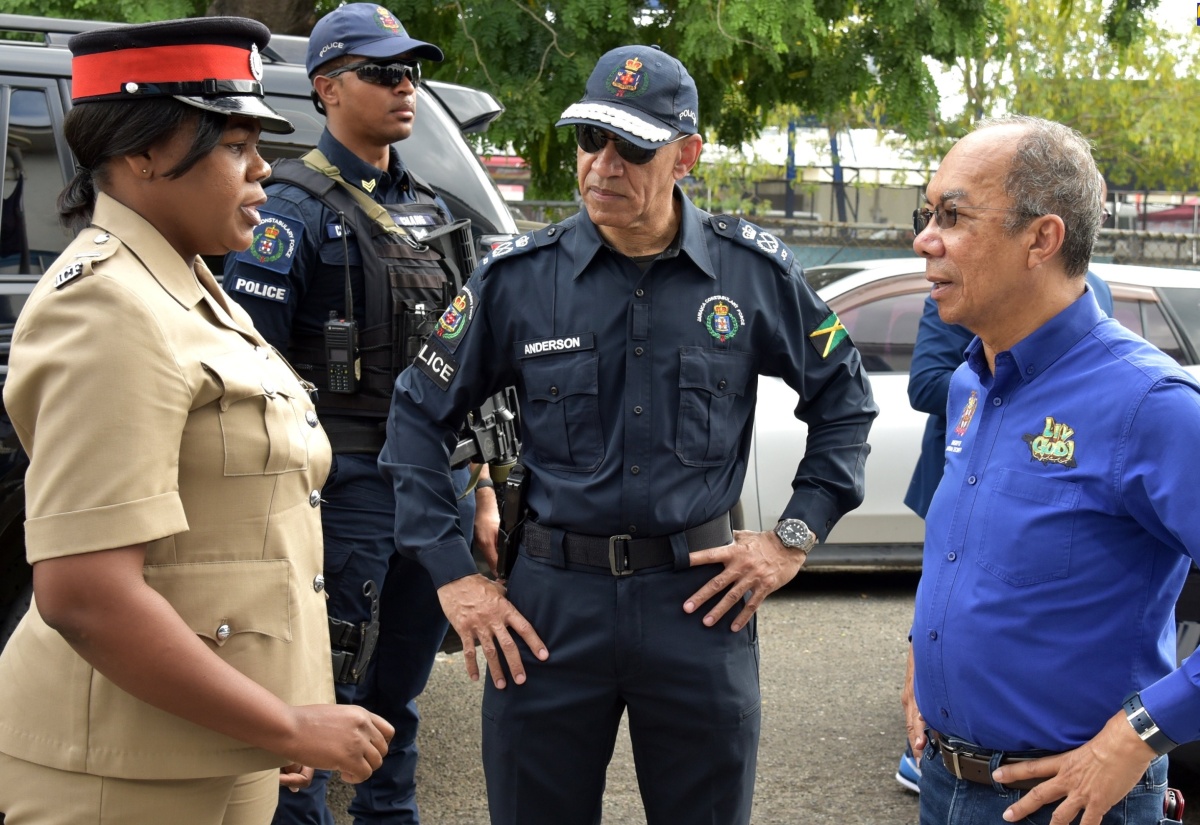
(319, 583)
(131, 88)
(314, 498)
(268, 387)
(101, 238)
(311, 418)
(223, 632)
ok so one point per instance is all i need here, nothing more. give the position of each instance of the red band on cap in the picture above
(107, 73)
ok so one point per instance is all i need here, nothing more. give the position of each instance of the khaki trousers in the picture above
(34, 794)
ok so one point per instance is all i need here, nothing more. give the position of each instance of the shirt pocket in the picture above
(1029, 528)
(261, 417)
(564, 410)
(713, 404)
(221, 600)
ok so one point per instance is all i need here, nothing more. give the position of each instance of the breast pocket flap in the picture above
(219, 600)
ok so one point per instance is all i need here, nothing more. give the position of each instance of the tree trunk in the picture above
(280, 16)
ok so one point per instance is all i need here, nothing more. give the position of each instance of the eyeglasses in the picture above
(383, 74)
(946, 217)
(593, 139)
(1104, 216)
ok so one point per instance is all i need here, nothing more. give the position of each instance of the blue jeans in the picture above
(358, 517)
(946, 800)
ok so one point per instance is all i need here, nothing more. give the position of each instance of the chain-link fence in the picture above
(820, 242)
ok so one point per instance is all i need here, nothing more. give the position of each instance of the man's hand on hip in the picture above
(480, 614)
(1090, 779)
(756, 563)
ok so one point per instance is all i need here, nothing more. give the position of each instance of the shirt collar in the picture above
(1035, 353)
(588, 240)
(354, 170)
(151, 248)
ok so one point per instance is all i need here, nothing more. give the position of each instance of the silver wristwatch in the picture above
(795, 535)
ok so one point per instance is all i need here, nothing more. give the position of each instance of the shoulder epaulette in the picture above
(92, 246)
(754, 237)
(534, 239)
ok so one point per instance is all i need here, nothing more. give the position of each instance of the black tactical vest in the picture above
(407, 284)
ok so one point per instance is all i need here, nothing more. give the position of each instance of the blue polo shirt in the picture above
(1059, 539)
(637, 386)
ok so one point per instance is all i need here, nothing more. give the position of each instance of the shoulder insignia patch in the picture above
(828, 335)
(86, 255)
(747, 234)
(275, 242)
(67, 274)
(545, 236)
(455, 320)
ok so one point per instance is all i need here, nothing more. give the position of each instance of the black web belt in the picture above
(622, 555)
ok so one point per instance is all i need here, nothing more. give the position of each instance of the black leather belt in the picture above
(975, 764)
(623, 555)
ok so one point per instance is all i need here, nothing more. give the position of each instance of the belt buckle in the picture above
(623, 569)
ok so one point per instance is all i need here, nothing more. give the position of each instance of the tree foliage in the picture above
(1132, 102)
(747, 56)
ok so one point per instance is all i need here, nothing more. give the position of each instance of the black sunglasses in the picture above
(593, 139)
(947, 216)
(383, 74)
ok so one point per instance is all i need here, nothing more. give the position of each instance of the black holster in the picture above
(354, 644)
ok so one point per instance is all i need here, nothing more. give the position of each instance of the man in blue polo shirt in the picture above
(1042, 656)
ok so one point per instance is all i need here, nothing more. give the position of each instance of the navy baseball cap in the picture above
(363, 29)
(211, 63)
(640, 93)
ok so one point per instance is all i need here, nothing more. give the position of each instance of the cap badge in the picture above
(628, 80)
(385, 21)
(255, 62)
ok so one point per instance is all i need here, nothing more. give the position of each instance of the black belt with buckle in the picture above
(974, 764)
(623, 555)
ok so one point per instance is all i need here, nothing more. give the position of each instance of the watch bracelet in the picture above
(1145, 727)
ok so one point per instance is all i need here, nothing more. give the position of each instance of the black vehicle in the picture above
(35, 81)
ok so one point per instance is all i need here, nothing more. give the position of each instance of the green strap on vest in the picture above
(316, 160)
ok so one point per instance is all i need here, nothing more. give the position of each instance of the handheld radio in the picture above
(341, 336)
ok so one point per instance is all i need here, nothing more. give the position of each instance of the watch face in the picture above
(794, 533)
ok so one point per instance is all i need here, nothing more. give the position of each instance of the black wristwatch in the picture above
(1145, 727)
(795, 535)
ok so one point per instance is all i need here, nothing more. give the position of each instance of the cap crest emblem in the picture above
(630, 80)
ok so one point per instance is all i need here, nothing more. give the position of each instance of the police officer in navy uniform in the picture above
(317, 234)
(634, 333)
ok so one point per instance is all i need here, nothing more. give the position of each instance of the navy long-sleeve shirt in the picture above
(637, 388)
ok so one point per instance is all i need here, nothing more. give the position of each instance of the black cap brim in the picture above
(246, 106)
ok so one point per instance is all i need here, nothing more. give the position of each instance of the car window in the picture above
(1184, 304)
(30, 235)
(822, 276)
(885, 330)
(1146, 318)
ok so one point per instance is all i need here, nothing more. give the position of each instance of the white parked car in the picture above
(880, 303)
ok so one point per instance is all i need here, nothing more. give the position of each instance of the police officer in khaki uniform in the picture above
(176, 654)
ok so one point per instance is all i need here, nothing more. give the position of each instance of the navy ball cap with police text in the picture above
(366, 30)
(640, 93)
(212, 63)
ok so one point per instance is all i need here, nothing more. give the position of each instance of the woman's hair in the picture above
(99, 131)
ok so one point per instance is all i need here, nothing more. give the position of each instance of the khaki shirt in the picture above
(153, 412)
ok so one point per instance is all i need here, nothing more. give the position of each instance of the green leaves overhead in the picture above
(748, 57)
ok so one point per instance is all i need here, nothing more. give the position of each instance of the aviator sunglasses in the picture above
(593, 139)
(946, 217)
(383, 74)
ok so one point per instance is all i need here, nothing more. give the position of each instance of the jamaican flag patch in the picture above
(828, 335)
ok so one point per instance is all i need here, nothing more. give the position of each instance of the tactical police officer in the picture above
(338, 280)
(634, 332)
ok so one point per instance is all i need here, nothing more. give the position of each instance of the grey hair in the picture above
(1053, 173)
